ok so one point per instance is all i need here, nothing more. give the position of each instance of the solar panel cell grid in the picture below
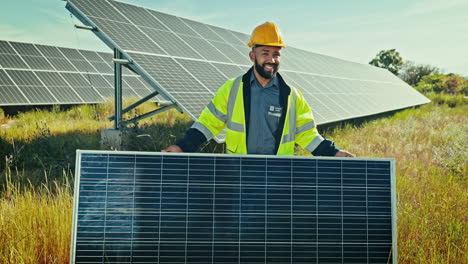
(202, 30)
(200, 46)
(244, 38)
(206, 73)
(139, 16)
(132, 39)
(75, 79)
(173, 23)
(171, 43)
(171, 74)
(24, 77)
(88, 94)
(102, 67)
(12, 61)
(51, 79)
(49, 51)
(72, 54)
(5, 48)
(29, 70)
(227, 36)
(4, 79)
(91, 56)
(39, 63)
(65, 94)
(100, 9)
(37, 94)
(158, 208)
(194, 100)
(82, 87)
(231, 71)
(232, 53)
(62, 64)
(25, 48)
(98, 81)
(11, 94)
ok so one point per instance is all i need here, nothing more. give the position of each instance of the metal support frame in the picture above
(151, 113)
(119, 112)
(85, 27)
(122, 58)
(118, 89)
(136, 104)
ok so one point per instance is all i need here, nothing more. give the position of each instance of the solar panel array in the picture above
(132, 207)
(188, 61)
(32, 74)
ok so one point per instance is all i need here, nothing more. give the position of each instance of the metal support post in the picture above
(118, 90)
(151, 113)
(134, 105)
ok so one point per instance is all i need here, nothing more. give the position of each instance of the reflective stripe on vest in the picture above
(305, 127)
(292, 120)
(218, 114)
(231, 102)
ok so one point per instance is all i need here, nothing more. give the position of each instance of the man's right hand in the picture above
(173, 148)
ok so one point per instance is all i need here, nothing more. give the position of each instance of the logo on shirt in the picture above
(275, 111)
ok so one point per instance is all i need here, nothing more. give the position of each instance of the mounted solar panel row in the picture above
(37, 74)
(188, 60)
(194, 208)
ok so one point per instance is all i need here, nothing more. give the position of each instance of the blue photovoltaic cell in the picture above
(209, 208)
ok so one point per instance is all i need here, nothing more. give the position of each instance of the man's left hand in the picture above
(344, 153)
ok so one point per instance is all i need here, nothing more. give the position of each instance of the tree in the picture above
(412, 73)
(443, 83)
(388, 59)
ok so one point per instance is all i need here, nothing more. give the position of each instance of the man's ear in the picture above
(252, 56)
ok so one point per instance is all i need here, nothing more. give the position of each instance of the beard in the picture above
(266, 74)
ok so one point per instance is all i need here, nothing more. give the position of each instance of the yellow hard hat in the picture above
(267, 34)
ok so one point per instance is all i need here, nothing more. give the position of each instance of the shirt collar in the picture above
(271, 84)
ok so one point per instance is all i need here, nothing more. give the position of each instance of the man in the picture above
(261, 113)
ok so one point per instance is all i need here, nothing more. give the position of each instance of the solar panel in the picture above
(137, 207)
(157, 43)
(32, 74)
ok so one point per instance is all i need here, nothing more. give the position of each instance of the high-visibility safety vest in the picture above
(226, 110)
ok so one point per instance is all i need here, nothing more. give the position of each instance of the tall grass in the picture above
(35, 222)
(429, 144)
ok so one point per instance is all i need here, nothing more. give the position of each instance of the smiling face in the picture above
(266, 61)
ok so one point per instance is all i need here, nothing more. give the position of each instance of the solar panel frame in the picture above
(349, 188)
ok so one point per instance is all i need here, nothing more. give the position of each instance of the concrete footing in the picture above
(111, 139)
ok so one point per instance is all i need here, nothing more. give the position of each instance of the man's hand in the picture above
(344, 153)
(173, 148)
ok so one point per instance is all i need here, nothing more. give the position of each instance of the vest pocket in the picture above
(233, 139)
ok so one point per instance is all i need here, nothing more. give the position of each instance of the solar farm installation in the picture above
(199, 208)
(166, 208)
(187, 61)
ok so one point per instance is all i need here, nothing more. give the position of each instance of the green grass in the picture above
(429, 144)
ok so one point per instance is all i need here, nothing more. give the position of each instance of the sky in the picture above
(431, 32)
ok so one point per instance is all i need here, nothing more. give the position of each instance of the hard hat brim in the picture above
(250, 44)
